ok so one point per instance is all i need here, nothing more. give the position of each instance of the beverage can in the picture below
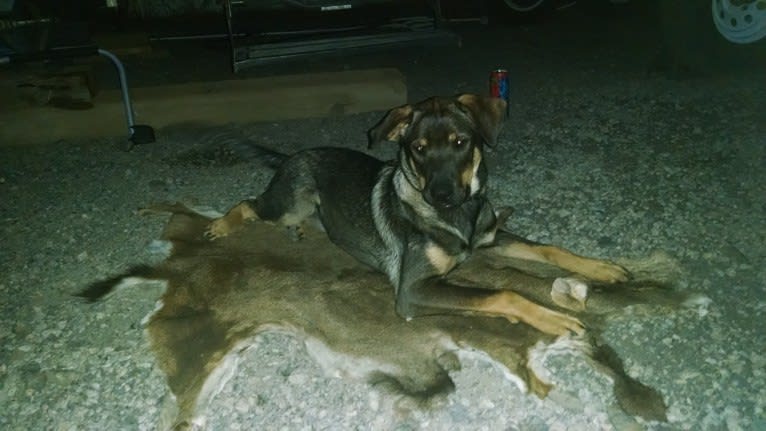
(499, 85)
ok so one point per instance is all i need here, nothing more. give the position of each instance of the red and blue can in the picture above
(499, 86)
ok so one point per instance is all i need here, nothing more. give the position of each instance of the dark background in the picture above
(671, 37)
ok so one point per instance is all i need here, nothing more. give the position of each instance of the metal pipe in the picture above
(123, 87)
(195, 37)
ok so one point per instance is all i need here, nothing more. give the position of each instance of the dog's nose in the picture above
(442, 196)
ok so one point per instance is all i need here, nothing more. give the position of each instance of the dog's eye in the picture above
(418, 147)
(461, 141)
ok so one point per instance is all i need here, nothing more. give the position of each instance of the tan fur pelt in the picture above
(221, 294)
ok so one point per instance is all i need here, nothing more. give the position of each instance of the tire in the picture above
(692, 45)
(740, 23)
(519, 11)
(524, 6)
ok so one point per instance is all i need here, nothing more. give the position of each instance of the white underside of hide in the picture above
(563, 345)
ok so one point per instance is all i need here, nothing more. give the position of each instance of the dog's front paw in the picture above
(606, 272)
(217, 228)
(555, 323)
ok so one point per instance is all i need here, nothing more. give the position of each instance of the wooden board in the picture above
(205, 103)
(124, 43)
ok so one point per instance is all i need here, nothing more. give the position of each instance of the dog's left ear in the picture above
(392, 127)
(487, 112)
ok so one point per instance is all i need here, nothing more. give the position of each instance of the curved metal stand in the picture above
(137, 134)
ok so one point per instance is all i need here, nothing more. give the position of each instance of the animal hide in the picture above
(221, 294)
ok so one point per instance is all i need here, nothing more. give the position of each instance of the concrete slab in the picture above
(203, 103)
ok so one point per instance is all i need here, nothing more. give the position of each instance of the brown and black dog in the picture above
(419, 216)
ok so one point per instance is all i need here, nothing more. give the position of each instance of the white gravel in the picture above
(597, 156)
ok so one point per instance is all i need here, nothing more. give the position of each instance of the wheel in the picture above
(524, 6)
(515, 11)
(693, 46)
(740, 21)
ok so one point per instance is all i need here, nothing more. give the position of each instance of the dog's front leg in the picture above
(509, 245)
(424, 291)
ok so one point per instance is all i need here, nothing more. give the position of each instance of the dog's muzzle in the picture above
(444, 195)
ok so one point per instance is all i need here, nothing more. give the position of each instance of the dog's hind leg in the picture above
(289, 199)
(289, 211)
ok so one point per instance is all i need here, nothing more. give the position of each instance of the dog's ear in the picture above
(392, 127)
(487, 112)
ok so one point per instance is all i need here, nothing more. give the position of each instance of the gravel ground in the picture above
(598, 156)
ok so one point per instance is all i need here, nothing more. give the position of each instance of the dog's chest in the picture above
(447, 248)
(441, 259)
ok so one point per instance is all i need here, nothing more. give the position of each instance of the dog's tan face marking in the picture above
(420, 178)
(420, 145)
(439, 258)
(469, 177)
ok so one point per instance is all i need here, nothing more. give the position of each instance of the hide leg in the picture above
(233, 220)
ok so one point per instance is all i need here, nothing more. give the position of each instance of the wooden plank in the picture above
(206, 103)
(70, 87)
(124, 43)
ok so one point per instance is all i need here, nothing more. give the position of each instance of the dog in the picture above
(417, 217)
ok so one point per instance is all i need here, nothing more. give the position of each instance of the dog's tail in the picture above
(227, 146)
(249, 150)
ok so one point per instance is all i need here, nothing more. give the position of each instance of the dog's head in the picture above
(441, 142)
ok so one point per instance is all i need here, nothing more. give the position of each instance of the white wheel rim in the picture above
(745, 23)
(523, 6)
